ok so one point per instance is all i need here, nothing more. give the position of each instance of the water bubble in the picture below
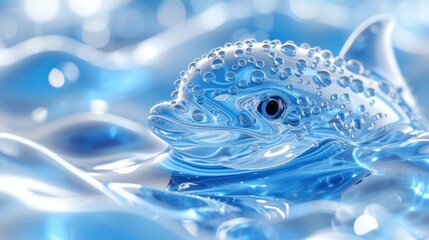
(197, 115)
(357, 123)
(289, 49)
(271, 55)
(209, 76)
(259, 63)
(361, 108)
(384, 87)
(254, 148)
(334, 97)
(180, 109)
(182, 74)
(197, 90)
(242, 83)
(332, 69)
(326, 54)
(177, 83)
(200, 99)
(345, 97)
(310, 53)
(174, 94)
(239, 44)
(343, 81)
(378, 116)
(275, 68)
(336, 124)
(290, 86)
(301, 63)
(354, 66)
(242, 62)
(339, 61)
(227, 45)
(293, 119)
(357, 86)
(370, 92)
(230, 76)
(221, 54)
(234, 67)
(318, 93)
(299, 72)
(211, 55)
(258, 76)
(323, 78)
(302, 100)
(316, 111)
(251, 59)
(245, 119)
(297, 134)
(239, 53)
(232, 90)
(279, 61)
(217, 63)
(266, 48)
(197, 72)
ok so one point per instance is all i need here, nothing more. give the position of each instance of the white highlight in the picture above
(41, 10)
(364, 224)
(171, 12)
(99, 106)
(39, 114)
(84, 8)
(56, 78)
(279, 152)
(71, 71)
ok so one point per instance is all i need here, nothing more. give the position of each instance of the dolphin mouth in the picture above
(167, 128)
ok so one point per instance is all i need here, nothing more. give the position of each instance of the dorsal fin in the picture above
(371, 43)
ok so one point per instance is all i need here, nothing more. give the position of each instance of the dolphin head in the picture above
(259, 104)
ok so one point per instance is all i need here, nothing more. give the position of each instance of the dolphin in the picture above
(255, 105)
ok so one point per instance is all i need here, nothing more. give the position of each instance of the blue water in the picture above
(90, 160)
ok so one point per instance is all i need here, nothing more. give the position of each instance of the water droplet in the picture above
(180, 109)
(177, 83)
(209, 76)
(336, 124)
(343, 81)
(323, 78)
(370, 92)
(251, 59)
(302, 100)
(293, 119)
(354, 66)
(378, 116)
(230, 76)
(345, 97)
(316, 111)
(384, 87)
(339, 61)
(245, 119)
(301, 63)
(310, 53)
(197, 115)
(242, 62)
(357, 123)
(361, 108)
(357, 86)
(221, 54)
(334, 97)
(239, 53)
(326, 54)
(232, 90)
(271, 55)
(258, 76)
(242, 83)
(197, 72)
(249, 51)
(174, 94)
(290, 86)
(319, 93)
(211, 55)
(289, 49)
(259, 63)
(266, 48)
(254, 148)
(197, 90)
(200, 99)
(217, 63)
(275, 68)
(279, 61)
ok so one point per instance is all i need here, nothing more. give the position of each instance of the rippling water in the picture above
(92, 175)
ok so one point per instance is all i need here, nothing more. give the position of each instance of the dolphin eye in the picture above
(272, 108)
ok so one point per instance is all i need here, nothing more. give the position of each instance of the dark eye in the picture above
(272, 108)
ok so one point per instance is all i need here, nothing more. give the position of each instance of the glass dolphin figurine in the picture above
(253, 105)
